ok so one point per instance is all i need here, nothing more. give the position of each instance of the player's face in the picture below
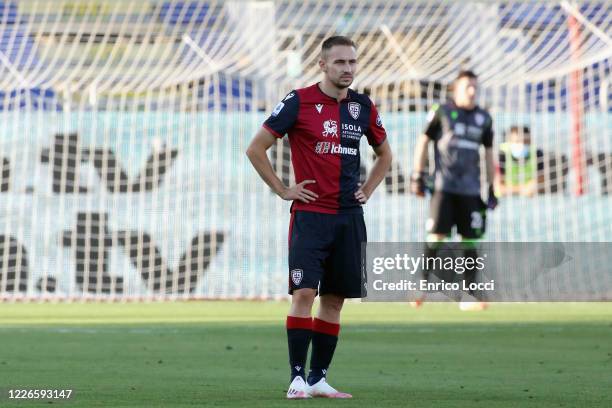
(520, 138)
(339, 64)
(465, 90)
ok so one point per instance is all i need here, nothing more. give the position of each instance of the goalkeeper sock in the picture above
(324, 341)
(299, 333)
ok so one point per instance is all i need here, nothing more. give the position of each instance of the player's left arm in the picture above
(490, 165)
(487, 141)
(377, 138)
(382, 164)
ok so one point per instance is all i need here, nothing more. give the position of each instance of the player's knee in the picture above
(303, 298)
(331, 303)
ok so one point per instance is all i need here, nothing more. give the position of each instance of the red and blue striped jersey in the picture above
(324, 136)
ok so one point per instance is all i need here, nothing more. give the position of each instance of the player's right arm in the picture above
(417, 182)
(417, 178)
(281, 121)
(257, 154)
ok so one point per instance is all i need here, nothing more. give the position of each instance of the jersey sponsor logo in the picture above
(353, 128)
(459, 129)
(289, 96)
(378, 121)
(319, 107)
(466, 144)
(333, 148)
(278, 108)
(350, 131)
(354, 109)
(474, 132)
(296, 276)
(330, 128)
(322, 147)
(339, 149)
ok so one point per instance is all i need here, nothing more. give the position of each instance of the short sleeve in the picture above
(284, 115)
(434, 123)
(376, 132)
(487, 135)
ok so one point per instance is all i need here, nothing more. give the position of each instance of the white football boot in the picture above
(298, 389)
(472, 306)
(323, 390)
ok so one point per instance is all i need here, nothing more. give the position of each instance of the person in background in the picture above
(521, 164)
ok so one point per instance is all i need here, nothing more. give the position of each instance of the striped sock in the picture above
(299, 333)
(324, 341)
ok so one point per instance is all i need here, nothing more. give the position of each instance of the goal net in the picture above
(123, 127)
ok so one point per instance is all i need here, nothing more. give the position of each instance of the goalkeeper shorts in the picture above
(468, 213)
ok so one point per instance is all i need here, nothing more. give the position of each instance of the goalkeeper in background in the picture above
(457, 129)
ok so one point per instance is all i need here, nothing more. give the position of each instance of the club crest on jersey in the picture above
(354, 109)
(296, 276)
(330, 128)
(479, 118)
(319, 107)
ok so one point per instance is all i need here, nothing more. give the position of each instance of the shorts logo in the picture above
(330, 128)
(378, 121)
(354, 109)
(477, 221)
(296, 276)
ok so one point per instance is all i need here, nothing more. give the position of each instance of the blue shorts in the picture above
(325, 253)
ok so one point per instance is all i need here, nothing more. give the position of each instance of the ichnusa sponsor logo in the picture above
(328, 147)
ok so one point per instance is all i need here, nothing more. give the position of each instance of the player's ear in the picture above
(322, 65)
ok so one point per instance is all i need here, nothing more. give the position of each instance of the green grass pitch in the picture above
(233, 354)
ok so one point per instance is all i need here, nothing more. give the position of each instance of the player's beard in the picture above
(340, 84)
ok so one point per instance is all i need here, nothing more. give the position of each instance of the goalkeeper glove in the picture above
(491, 199)
(417, 184)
